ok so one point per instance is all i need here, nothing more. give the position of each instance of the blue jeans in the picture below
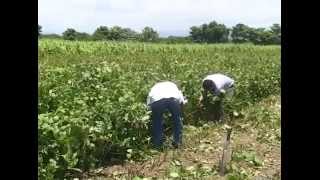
(158, 108)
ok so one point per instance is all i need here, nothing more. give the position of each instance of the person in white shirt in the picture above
(166, 96)
(218, 85)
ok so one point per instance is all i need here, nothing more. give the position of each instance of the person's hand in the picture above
(185, 101)
(222, 93)
(200, 99)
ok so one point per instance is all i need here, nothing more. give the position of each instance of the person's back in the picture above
(220, 82)
(218, 85)
(163, 90)
(165, 96)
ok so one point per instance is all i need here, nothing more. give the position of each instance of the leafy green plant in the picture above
(249, 157)
(92, 94)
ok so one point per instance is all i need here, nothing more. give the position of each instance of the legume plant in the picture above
(92, 95)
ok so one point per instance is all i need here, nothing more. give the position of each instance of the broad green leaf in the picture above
(174, 174)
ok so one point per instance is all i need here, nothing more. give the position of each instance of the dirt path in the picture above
(205, 152)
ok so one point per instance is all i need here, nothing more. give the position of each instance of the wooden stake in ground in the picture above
(226, 153)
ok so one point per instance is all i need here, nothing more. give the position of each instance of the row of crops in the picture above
(92, 95)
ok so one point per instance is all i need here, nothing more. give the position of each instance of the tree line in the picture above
(212, 32)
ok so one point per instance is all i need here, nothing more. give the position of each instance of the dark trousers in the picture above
(218, 110)
(158, 108)
(213, 109)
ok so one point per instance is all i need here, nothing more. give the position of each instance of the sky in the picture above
(168, 17)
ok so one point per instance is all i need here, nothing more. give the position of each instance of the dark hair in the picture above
(208, 85)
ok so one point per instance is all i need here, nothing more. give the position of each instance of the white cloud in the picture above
(166, 16)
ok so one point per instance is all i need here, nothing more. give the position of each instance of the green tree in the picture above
(210, 33)
(261, 36)
(69, 34)
(217, 33)
(196, 34)
(256, 35)
(150, 35)
(276, 33)
(39, 30)
(177, 39)
(116, 33)
(51, 36)
(83, 36)
(241, 33)
(101, 33)
(130, 34)
(276, 28)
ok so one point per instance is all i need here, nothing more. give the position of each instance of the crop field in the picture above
(94, 123)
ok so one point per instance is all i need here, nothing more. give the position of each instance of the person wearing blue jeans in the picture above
(166, 96)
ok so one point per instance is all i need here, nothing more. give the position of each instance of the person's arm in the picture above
(181, 108)
(230, 83)
(203, 97)
(222, 93)
(182, 100)
(148, 99)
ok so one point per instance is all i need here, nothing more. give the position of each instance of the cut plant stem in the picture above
(226, 153)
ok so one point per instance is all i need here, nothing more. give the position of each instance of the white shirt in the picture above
(221, 81)
(165, 89)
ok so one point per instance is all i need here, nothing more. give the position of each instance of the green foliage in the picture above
(51, 36)
(101, 33)
(81, 36)
(92, 95)
(276, 31)
(199, 171)
(210, 33)
(149, 35)
(114, 33)
(262, 36)
(241, 33)
(129, 34)
(237, 176)
(249, 157)
(175, 40)
(69, 34)
(39, 30)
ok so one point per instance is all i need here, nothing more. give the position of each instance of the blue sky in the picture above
(168, 17)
